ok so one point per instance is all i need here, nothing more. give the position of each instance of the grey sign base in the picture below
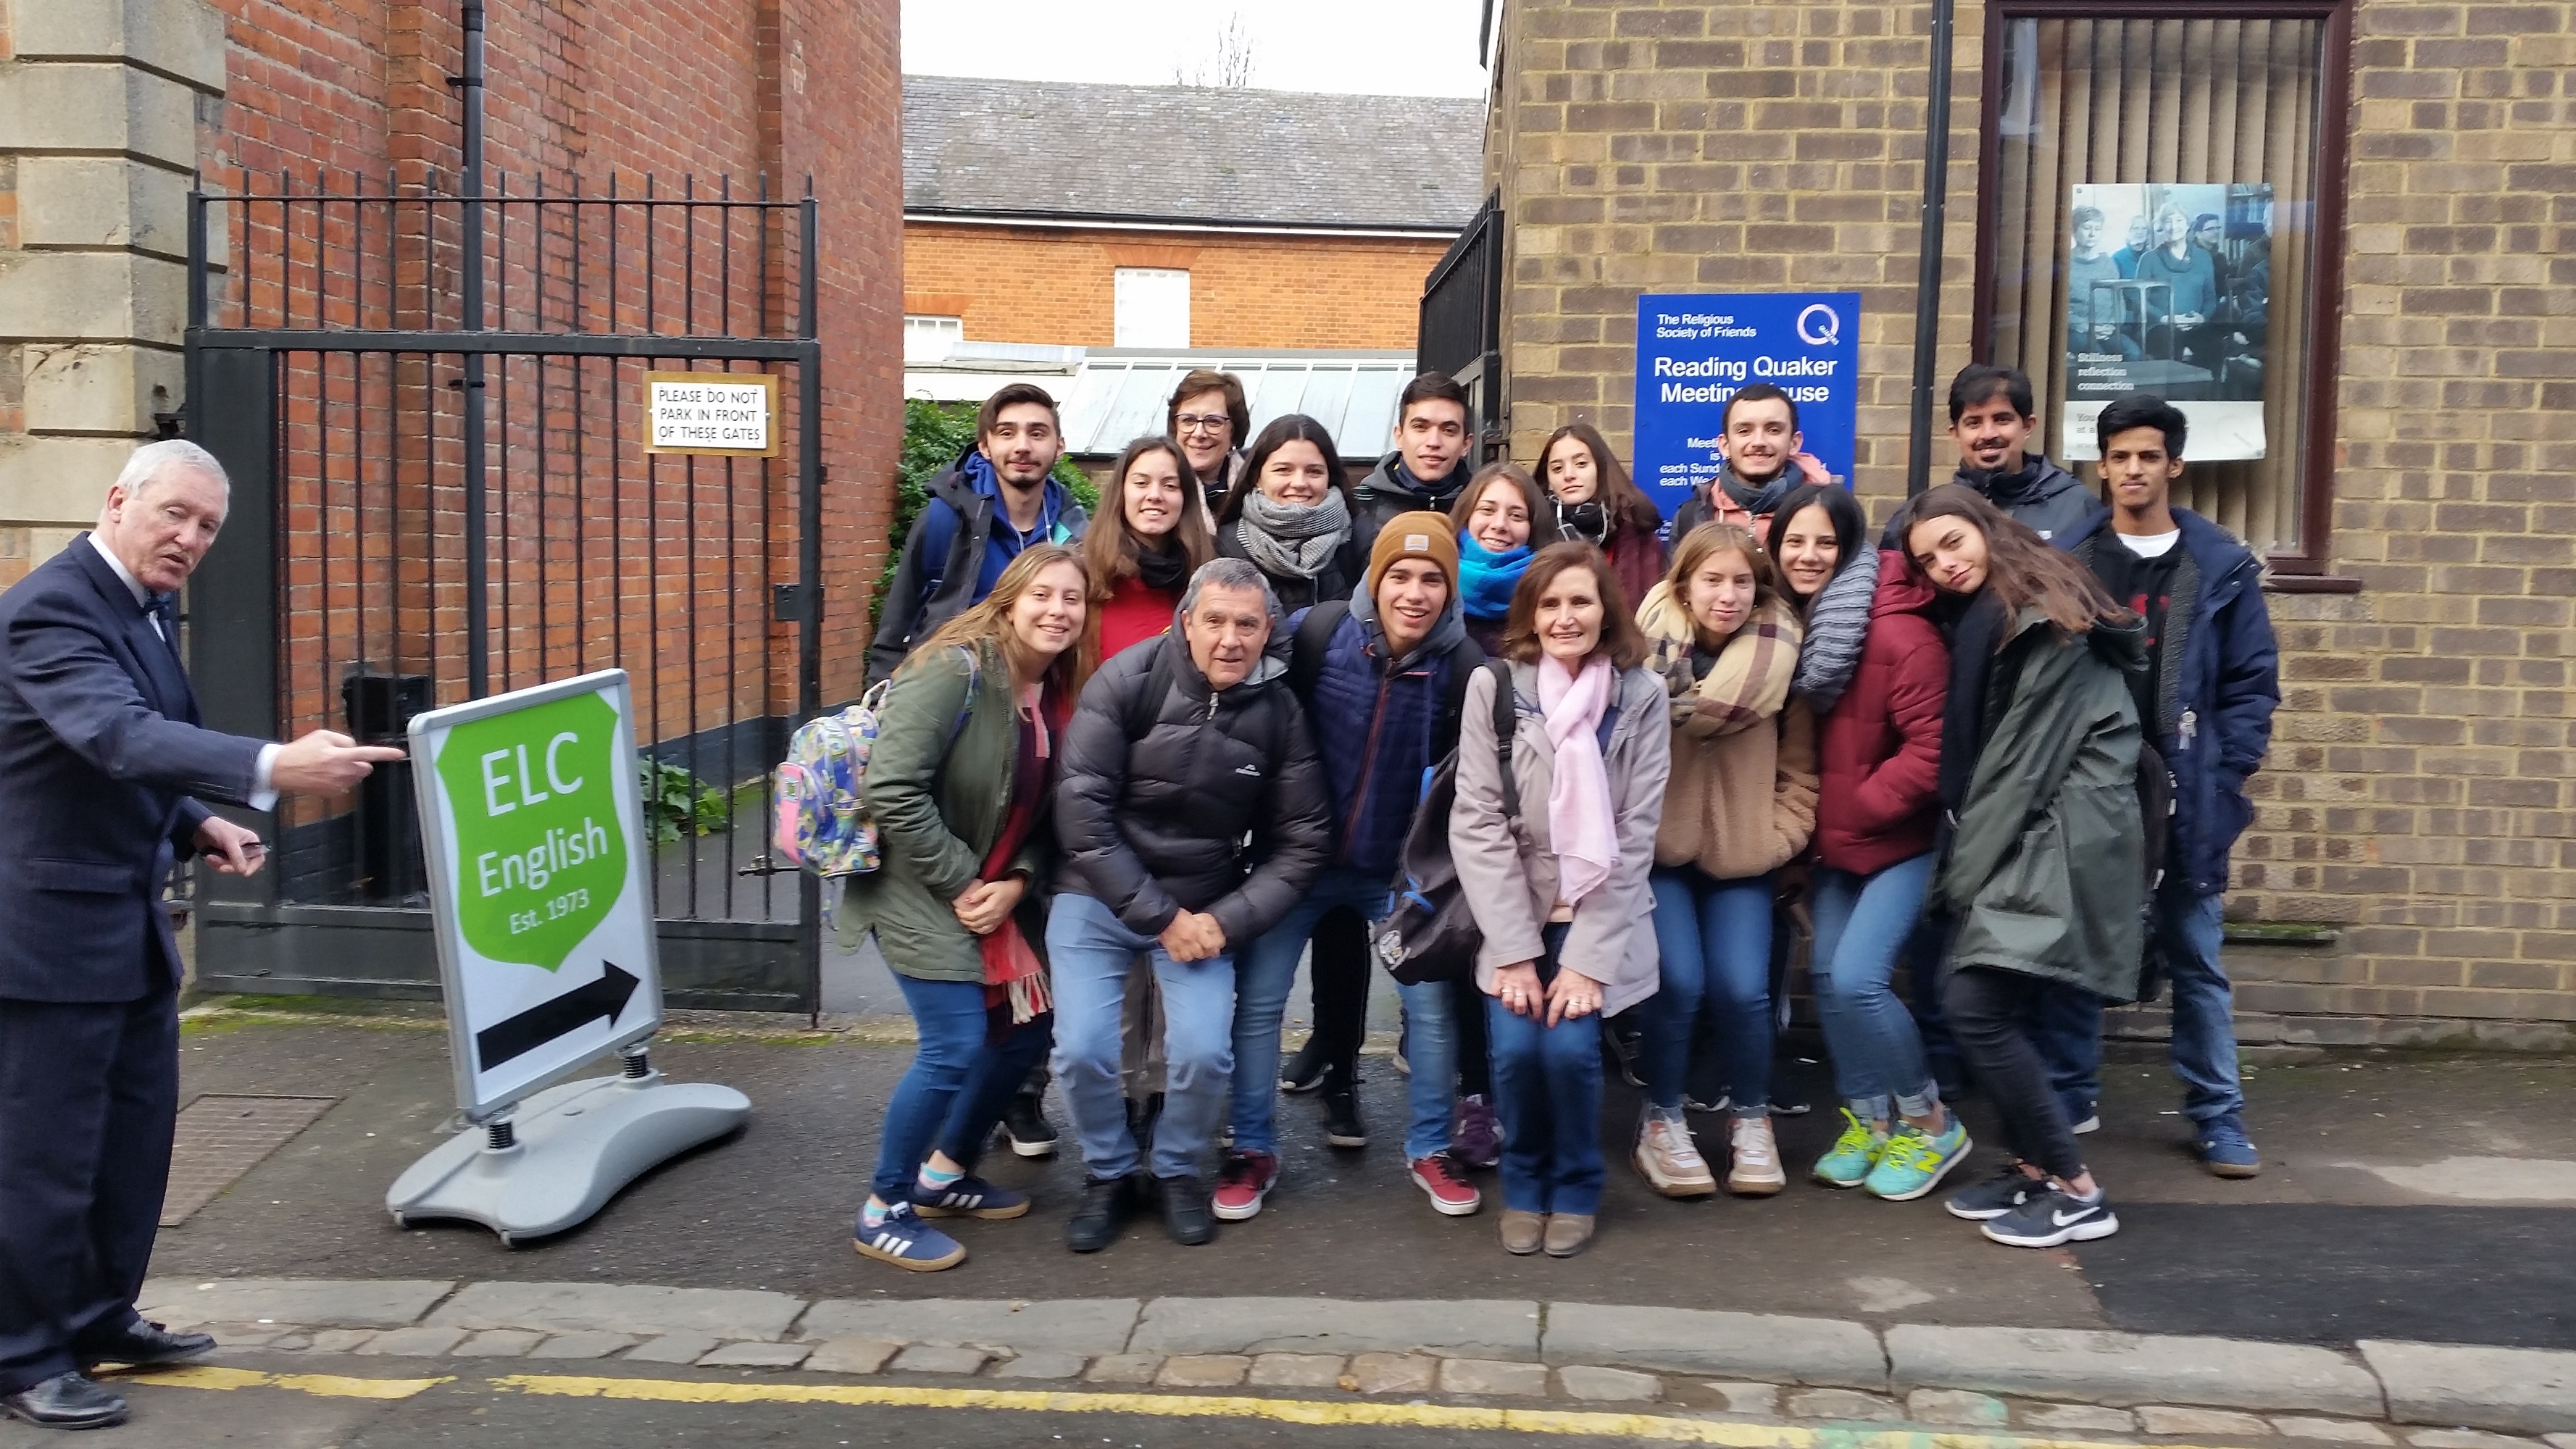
(578, 1144)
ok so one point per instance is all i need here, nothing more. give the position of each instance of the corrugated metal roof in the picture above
(1191, 154)
(1122, 394)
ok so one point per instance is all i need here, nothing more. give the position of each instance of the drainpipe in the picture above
(1927, 278)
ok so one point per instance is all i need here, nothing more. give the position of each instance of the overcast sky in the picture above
(1381, 47)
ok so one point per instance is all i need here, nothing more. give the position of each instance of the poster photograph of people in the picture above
(2169, 292)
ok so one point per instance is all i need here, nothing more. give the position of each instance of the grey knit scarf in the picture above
(1837, 625)
(1292, 539)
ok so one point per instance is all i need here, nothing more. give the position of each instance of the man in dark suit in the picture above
(102, 763)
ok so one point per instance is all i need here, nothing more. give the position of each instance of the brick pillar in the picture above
(98, 99)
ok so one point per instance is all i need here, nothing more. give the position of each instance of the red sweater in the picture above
(1879, 756)
(1136, 611)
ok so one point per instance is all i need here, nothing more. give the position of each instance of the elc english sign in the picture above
(1696, 349)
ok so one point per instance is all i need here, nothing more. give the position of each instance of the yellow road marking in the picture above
(329, 1386)
(1353, 1413)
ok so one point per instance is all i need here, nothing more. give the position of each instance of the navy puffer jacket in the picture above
(1379, 724)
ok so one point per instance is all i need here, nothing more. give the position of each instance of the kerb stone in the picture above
(673, 1348)
(1955, 1406)
(310, 1302)
(621, 1308)
(2130, 1368)
(1041, 1366)
(1487, 1328)
(581, 1343)
(2169, 1419)
(931, 1358)
(1492, 1376)
(1608, 1384)
(1069, 1325)
(2521, 1390)
(1752, 1345)
(1302, 1371)
(415, 1342)
(851, 1356)
(756, 1355)
(2330, 1431)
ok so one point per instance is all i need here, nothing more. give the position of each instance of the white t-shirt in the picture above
(2151, 545)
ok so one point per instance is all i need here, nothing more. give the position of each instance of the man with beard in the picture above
(1992, 415)
(1764, 458)
(1429, 466)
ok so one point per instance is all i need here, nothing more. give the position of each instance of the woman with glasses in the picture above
(1210, 420)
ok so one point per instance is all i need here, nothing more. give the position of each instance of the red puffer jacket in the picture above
(1880, 751)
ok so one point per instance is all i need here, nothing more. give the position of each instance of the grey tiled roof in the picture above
(1185, 153)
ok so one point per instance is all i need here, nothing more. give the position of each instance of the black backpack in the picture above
(1428, 933)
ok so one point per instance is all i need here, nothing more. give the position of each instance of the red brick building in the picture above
(1177, 216)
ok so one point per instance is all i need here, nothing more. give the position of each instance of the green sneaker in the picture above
(1915, 1163)
(1855, 1154)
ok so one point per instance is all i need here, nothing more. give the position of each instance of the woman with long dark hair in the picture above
(1559, 891)
(1152, 534)
(959, 784)
(1819, 545)
(1595, 503)
(2045, 873)
(1291, 516)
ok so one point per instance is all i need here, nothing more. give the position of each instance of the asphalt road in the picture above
(2363, 1215)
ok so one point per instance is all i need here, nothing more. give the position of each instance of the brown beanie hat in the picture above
(1415, 535)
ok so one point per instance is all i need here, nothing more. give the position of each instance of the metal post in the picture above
(809, 558)
(478, 643)
(1927, 278)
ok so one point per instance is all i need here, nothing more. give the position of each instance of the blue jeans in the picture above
(1088, 949)
(1715, 940)
(2189, 927)
(1862, 922)
(1262, 980)
(959, 1084)
(1547, 1091)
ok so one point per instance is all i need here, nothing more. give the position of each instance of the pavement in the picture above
(2405, 1261)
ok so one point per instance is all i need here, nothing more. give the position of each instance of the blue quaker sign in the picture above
(1695, 349)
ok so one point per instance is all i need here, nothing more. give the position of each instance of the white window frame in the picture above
(929, 338)
(1152, 307)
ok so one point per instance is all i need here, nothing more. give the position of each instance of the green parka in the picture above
(938, 808)
(2047, 867)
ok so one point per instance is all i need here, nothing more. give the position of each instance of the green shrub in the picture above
(677, 803)
(933, 435)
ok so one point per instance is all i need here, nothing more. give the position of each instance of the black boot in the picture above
(1107, 1203)
(1026, 1125)
(1342, 1125)
(66, 1401)
(1304, 1071)
(1185, 1210)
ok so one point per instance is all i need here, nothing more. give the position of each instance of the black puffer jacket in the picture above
(1157, 797)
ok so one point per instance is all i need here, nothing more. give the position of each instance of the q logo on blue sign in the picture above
(1696, 350)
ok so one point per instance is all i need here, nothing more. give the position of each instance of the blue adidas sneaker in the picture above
(970, 1197)
(904, 1240)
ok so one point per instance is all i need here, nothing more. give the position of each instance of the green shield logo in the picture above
(540, 845)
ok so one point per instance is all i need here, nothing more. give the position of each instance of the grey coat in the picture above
(1508, 869)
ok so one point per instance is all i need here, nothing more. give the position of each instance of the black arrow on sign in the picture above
(547, 1020)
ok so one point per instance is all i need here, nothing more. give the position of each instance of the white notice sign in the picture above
(733, 413)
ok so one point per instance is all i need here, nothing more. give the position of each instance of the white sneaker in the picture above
(1756, 1172)
(1669, 1160)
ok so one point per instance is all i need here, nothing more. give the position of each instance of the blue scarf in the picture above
(1486, 580)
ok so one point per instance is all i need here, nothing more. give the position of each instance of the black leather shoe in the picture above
(1185, 1210)
(1103, 1211)
(145, 1345)
(66, 1401)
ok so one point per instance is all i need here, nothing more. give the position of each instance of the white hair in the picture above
(149, 461)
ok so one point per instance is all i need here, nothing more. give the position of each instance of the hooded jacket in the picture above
(2052, 502)
(1729, 499)
(1390, 489)
(2046, 872)
(1391, 720)
(1879, 753)
(944, 567)
(2218, 682)
(1155, 820)
(1507, 868)
(940, 793)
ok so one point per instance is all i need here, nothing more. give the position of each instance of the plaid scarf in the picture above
(1747, 684)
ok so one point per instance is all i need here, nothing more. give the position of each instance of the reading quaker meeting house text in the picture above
(1696, 350)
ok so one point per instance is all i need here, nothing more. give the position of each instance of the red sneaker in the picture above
(1450, 1192)
(1242, 1182)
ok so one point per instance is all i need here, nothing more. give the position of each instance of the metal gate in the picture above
(430, 406)
(1461, 331)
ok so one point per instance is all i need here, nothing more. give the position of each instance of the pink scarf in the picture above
(1579, 822)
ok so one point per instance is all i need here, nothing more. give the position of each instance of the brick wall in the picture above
(2417, 805)
(693, 99)
(1013, 284)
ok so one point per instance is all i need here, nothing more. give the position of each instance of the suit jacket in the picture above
(101, 761)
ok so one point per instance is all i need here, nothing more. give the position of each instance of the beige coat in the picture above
(1508, 870)
(1742, 799)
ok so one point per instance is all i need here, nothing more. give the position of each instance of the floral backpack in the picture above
(822, 822)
